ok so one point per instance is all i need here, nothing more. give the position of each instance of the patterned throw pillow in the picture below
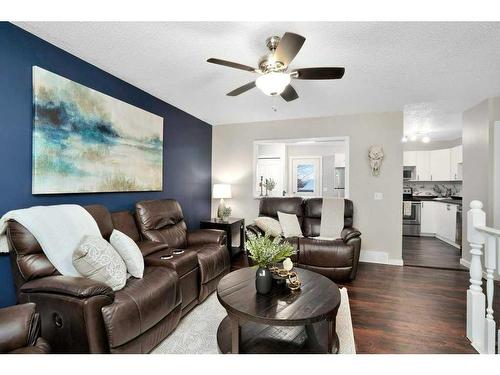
(96, 259)
(269, 225)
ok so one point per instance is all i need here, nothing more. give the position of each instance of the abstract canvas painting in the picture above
(85, 141)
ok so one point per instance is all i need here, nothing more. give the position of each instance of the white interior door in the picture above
(305, 176)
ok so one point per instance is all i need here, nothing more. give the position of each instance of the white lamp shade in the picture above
(221, 191)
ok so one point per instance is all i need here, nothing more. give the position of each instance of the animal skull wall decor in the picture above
(376, 155)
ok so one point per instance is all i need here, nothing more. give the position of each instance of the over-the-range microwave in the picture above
(407, 174)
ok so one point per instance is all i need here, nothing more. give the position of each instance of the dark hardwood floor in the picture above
(406, 309)
(431, 252)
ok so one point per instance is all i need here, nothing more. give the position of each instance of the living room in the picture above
(216, 185)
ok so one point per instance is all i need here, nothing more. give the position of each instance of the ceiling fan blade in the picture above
(288, 47)
(318, 73)
(242, 89)
(231, 64)
(289, 94)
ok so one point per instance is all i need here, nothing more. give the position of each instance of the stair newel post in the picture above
(490, 265)
(475, 296)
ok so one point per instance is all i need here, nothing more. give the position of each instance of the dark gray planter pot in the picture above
(263, 280)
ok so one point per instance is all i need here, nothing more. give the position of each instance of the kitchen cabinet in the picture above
(439, 219)
(440, 165)
(423, 165)
(409, 158)
(428, 217)
(456, 160)
(446, 221)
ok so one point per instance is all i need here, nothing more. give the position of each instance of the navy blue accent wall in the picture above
(187, 141)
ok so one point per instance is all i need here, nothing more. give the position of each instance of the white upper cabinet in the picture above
(410, 158)
(435, 165)
(440, 165)
(423, 166)
(456, 163)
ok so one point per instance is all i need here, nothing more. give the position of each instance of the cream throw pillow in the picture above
(129, 251)
(290, 225)
(96, 259)
(269, 225)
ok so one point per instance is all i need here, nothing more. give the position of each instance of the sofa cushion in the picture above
(289, 205)
(125, 223)
(213, 260)
(141, 304)
(129, 251)
(96, 259)
(162, 221)
(102, 217)
(325, 253)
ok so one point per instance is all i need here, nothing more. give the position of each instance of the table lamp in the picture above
(221, 191)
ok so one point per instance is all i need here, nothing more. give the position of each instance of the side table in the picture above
(229, 226)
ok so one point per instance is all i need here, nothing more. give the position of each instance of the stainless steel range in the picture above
(411, 213)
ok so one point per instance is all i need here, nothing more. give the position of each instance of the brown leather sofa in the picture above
(337, 259)
(20, 331)
(80, 315)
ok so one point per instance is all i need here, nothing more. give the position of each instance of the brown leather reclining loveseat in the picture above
(336, 259)
(80, 315)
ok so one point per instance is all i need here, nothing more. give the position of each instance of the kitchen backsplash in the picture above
(433, 188)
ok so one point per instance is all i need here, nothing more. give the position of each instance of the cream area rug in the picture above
(197, 331)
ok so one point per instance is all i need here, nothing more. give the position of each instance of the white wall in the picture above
(380, 221)
(478, 155)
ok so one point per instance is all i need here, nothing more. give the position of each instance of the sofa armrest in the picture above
(148, 247)
(79, 287)
(254, 229)
(205, 236)
(350, 233)
(16, 326)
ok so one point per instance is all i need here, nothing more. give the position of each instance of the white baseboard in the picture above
(448, 241)
(396, 262)
(464, 262)
(381, 257)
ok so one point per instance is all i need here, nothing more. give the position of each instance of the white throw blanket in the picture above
(59, 229)
(332, 219)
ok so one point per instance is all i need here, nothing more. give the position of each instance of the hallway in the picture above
(431, 252)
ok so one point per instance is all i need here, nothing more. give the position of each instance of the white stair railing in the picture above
(481, 330)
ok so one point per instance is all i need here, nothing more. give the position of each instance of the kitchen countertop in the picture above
(424, 198)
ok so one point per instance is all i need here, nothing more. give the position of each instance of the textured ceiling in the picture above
(432, 71)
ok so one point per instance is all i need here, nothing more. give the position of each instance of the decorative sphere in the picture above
(288, 264)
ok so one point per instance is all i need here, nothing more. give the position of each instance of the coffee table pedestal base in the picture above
(257, 338)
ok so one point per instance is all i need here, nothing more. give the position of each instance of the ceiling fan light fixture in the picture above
(273, 83)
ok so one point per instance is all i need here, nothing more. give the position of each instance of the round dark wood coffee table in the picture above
(282, 321)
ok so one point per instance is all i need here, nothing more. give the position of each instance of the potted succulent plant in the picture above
(265, 251)
(225, 213)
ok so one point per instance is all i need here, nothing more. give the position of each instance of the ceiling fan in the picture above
(274, 76)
